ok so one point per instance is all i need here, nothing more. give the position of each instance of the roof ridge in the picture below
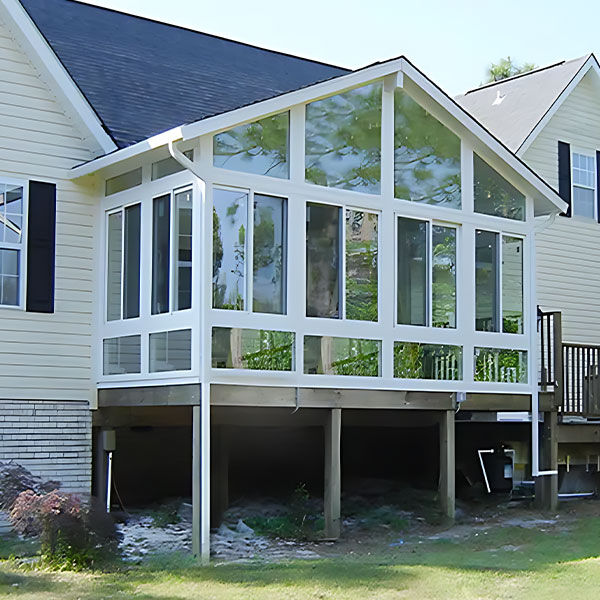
(518, 75)
(211, 35)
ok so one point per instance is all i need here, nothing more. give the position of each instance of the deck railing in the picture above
(571, 371)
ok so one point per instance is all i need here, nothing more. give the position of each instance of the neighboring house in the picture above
(550, 117)
(267, 242)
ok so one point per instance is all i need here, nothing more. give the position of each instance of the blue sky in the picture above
(452, 41)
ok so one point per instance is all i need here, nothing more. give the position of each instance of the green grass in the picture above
(504, 563)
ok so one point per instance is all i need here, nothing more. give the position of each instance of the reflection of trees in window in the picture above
(343, 140)
(413, 360)
(361, 265)
(443, 276)
(229, 247)
(268, 254)
(322, 261)
(341, 356)
(500, 365)
(252, 349)
(426, 156)
(260, 147)
(494, 195)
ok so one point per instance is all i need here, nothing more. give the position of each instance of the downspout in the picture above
(535, 412)
(186, 163)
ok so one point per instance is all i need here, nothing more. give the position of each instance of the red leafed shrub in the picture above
(73, 532)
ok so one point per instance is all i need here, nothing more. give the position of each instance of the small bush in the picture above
(15, 478)
(74, 534)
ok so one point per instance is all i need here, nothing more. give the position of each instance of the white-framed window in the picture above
(342, 263)
(583, 177)
(249, 251)
(499, 284)
(13, 209)
(123, 262)
(172, 251)
(426, 274)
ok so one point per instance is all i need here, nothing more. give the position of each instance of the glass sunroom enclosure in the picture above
(361, 240)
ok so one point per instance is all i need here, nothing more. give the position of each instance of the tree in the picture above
(506, 67)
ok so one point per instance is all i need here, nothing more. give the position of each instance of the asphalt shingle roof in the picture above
(143, 77)
(511, 108)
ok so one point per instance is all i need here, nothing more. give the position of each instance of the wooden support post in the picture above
(546, 487)
(447, 492)
(219, 474)
(100, 469)
(333, 473)
(196, 481)
(558, 365)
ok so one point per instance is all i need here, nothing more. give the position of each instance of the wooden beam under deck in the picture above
(287, 397)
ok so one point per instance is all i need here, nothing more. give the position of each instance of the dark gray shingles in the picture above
(143, 77)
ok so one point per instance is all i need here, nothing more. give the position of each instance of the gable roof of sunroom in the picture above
(398, 72)
(516, 109)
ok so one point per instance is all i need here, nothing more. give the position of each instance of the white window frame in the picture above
(499, 289)
(249, 250)
(21, 246)
(108, 213)
(172, 248)
(431, 222)
(588, 154)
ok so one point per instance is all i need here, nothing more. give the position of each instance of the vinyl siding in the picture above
(47, 357)
(568, 252)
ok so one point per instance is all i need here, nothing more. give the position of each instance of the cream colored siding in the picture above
(568, 252)
(47, 357)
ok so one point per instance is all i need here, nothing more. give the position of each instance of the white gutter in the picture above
(535, 408)
(204, 532)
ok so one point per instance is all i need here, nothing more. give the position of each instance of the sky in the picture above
(452, 41)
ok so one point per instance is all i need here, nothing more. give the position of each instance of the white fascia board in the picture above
(53, 73)
(590, 63)
(465, 119)
(242, 115)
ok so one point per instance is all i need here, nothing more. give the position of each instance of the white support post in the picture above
(333, 483)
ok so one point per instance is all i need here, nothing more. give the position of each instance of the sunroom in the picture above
(361, 243)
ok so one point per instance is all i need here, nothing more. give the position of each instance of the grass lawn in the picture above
(509, 562)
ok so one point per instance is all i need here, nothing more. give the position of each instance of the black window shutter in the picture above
(41, 241)
(564, 174)
(598, 184)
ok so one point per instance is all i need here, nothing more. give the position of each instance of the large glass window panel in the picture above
(269, 254)
(161, 235)
(171, 351)
(323, 260)
(261, 147)
(9, 277)
(443, 267)
(494, 195)
(123, 182)
(230, 222)
(413, 360)
(486, 281)
(512, 284)
(426, 156)
(341, 356)
(343, 140)
(182, 257)
(114, 266)
(122, 355)
(500, 365)
(131, 262)
(412, 272)
(259, 349)
(361, 265)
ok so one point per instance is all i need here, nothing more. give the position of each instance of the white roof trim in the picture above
(590, 63)
(313, 92)
(54, 74)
